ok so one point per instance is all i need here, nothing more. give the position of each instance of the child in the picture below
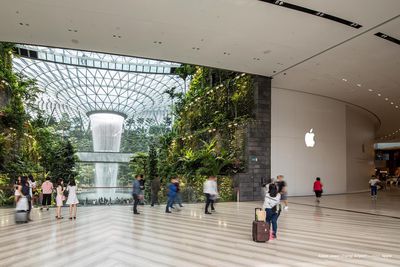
(59, 198)
(318, 188)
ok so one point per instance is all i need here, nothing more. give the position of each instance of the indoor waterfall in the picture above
(106, 134)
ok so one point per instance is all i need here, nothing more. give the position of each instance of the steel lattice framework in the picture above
(77, 83)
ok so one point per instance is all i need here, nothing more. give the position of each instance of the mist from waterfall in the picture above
(106, 134)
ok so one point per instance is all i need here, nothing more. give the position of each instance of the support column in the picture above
(258, 144)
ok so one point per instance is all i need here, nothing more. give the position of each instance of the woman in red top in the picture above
(318, 188)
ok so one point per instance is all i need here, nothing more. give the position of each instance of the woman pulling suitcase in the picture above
(21, 201)
(271, 202)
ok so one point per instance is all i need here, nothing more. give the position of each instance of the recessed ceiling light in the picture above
(379, 94)
(359, 85)
(391, 103)
(345, 80)
(386, 98)
(370, 90)
(397, 106)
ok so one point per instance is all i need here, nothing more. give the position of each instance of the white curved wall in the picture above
(338, 156)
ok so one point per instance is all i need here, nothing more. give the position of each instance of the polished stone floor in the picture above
(331, 234)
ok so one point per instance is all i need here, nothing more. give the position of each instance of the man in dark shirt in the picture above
(137, 193)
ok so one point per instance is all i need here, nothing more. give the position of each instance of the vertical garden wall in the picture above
(28, 144)
(212, 125)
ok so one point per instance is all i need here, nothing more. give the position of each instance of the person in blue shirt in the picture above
(136, 193)
(172, 190)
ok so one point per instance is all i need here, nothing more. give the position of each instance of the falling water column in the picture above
(106, 133)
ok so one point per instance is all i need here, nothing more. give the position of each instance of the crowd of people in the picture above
(276, 193)
(210, 191)
(275, 196)
(25, 188)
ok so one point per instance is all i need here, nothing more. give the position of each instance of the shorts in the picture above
(283, 196)
(318, 193)
(46, 201)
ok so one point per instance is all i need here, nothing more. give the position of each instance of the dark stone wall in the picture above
(258, 144)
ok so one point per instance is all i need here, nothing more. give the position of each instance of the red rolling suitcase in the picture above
(260, 229)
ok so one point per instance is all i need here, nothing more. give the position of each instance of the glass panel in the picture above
(58, 58)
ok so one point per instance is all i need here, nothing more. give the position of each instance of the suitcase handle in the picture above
(255, 213)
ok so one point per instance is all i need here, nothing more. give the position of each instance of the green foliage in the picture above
(6, 194)
(208, 132)
(138, 163)
(27, 145)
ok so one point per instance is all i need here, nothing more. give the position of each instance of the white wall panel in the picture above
(292, 115)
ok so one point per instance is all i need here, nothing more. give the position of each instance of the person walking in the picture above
(59, 198)
(142, 188)
(72, 200)
(136, 193)
(47, 190)
(171, 195)
(282, 190)
(32, 190)
(374, 182)
(210, 191)
(155, 188)
(318, 188)
(178, 198)
(271, 203)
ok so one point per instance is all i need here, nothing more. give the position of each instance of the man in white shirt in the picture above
(374, 182)
(211, 192)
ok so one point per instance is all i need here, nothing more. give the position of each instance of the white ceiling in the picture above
(315, 53)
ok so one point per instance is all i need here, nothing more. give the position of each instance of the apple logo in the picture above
(309, 138)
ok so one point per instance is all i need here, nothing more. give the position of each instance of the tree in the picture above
(138, 163)
(152, 162)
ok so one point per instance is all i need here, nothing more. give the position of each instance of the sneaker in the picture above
(207, 212)
(286, 207)
(167, 211)
(271, 235)
(41, 209)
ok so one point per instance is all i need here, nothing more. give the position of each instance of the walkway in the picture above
(113, 236)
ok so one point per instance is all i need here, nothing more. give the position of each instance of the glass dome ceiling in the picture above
(78, 83)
